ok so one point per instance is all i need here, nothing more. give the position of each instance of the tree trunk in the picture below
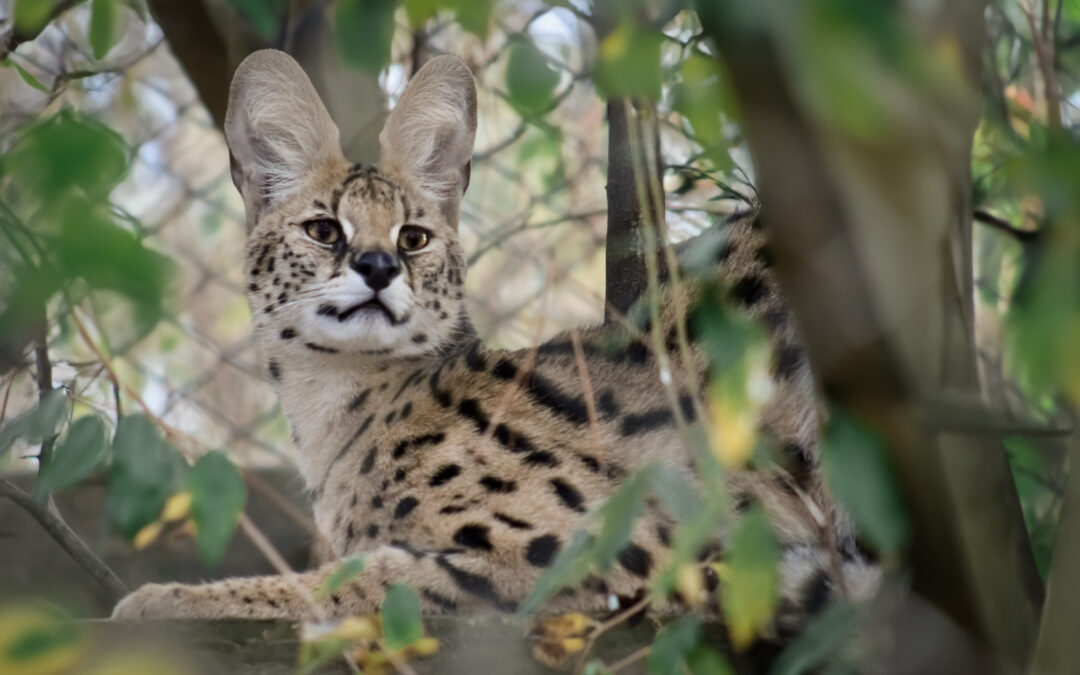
(872, 241)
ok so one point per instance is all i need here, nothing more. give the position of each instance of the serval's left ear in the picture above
(278, 131)
(428, 138)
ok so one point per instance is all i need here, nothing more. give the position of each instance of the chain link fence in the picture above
(533, 221)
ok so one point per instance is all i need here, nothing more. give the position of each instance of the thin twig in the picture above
(1002, 225)
(63, 535)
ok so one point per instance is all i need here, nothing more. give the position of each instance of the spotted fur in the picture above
(459, 469)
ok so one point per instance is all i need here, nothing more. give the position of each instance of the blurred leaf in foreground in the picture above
(145, 471)
(39, 423)
(400, 614)
(857, 469)
(751, 579)
(629, 62)
(74, 457)
(104, 26)
(363, 31)
(825, 635)
(67, 151)
(265, 15)
(530, 79)
(217, 500)
(35, 641)
(348, 569)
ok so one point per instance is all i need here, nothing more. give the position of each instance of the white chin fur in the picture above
(367, 331)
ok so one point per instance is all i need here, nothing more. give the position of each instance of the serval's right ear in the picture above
(277, 129)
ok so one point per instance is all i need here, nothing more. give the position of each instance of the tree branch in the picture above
(68, 540)
(883, 297)
(627, 274)
(1002, 225)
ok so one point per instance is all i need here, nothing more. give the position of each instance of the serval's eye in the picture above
(323, 231)
(413, 238)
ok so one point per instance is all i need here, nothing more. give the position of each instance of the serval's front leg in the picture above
(445, 582)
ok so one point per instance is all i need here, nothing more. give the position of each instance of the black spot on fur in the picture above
(663, 533)
(568, 495)
(441, 601)
(646, 421)
(749, 290)
(406, 410)
(405, 507)
(541, 458)
(399, 475)
(545, 393)
(474, 536)
(444, 475)
(474, 584)
(815, 593)
(359, 400)
(372, 531)
(635, 560)
(498, 485)
(786, 361)
(419, 338)
(275, 370)
(512, 522)
(288, 333)
(590, 462)
(319, 348)
(474, 361)
(368, 462)
(606, 404)
(542, 550)
(504, 370)
(376, 502)
(452, 509)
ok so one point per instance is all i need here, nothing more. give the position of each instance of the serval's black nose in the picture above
(377, 267)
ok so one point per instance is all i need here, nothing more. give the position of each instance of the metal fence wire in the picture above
(532, 223)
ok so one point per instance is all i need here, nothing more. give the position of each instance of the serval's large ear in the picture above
(429, 136)
(277, 129)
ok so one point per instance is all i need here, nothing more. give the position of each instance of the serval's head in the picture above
(345, 258)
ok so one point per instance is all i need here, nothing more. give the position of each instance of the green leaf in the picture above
(530, 79)
(629, 62)
(569, 568)
(104, 26)
(823, 637)
(364, 30)
(32, 15)
(751, 582)
(217, 500)
(26, 75)
(672, 644)
(856, 467)
(704, 660)
(75, 457)
(68, 151)
(619, 513)
(92, 247)
(346, 571)
(145, 470)
(473, 15)
(39, 423)
(265, 16)
(400, 614)
(675, 491)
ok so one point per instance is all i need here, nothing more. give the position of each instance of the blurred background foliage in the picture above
(124, 345)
